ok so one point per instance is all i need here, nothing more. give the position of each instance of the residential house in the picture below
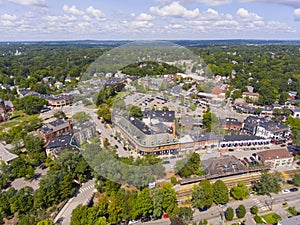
(295, 112)
(231, 124)
(84, 131)
(251, 96)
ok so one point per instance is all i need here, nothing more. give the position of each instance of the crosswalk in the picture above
(84, 189)
(260, 205)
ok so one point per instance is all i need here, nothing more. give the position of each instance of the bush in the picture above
(258, 219)
(293, 211)
(254, 210)
(229, 214)
(241, 211)
(173, 180)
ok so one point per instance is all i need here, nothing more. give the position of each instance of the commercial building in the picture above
(237, 142)
(276, 157)
(54, 129)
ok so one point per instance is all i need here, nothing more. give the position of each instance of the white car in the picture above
(285, 191)
(133, 222)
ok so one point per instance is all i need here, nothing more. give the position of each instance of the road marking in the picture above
(82, 190)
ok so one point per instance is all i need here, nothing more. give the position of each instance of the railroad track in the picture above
(185, 192)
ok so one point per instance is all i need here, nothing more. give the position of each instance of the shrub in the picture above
(258, 219)
(254, 210)
(229, 214)
(241, 211)
(173, 180)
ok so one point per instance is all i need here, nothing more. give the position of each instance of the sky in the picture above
(46, 20)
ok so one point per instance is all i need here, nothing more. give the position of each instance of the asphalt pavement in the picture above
(83, 196)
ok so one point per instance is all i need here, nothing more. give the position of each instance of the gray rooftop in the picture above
(290, 221)
(5, 155)
(143, 139)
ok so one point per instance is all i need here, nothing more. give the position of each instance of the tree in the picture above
(59, 114)
(30, 104)
(240, 191)
(220, 192)
(202, 196)
(35, 149)
(236, 94)
(296, 179)
(210, 121)
(157, 198)
(136, 111)
(104, 111)
(241, 211)
(229, 214)
(186, 214)
(46, 222)
(268, 183)
(114, 210)
(81, 117)
(189, 166)
(169, 198)
(144, 203)
(254, 210)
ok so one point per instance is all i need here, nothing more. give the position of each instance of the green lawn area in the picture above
(272, 218)
(16, 118)
(9, 124)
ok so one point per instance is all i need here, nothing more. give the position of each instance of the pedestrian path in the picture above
(260, 205)
(84, 189)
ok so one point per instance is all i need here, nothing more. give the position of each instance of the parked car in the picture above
(285, 191)
(145, 219)
(133, 222)
(293, 189)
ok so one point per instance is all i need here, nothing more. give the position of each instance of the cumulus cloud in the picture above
(73, 10)
(297, 14)
(8, 17)
(208, 2)
(145, 17)
(96, 13)
(245, 15)
(137, 24)
(175, 10)
(39, 3)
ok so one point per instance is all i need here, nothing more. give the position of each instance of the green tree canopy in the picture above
(220, 191)
(240, 191)
(30, 104)
(202, 196)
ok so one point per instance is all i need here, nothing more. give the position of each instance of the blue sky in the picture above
(148, 19)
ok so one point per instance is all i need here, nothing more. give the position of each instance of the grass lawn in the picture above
(272, 218)
(9, 124)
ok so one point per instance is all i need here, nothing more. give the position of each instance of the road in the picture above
(83, 196)
(264, 203)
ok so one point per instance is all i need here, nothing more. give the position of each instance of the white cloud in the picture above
(73, 10)
(8, 17)
(145, 17)
(96, 13)
(297, 14)
(175, 10)
(292, 3)
(137, 24)
(63, 18)
(39, 3)
(208, 2)
(174, 26)
(245, 15)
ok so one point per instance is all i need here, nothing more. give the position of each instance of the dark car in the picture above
(293, 189)
(166, 162)
(145, 219)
